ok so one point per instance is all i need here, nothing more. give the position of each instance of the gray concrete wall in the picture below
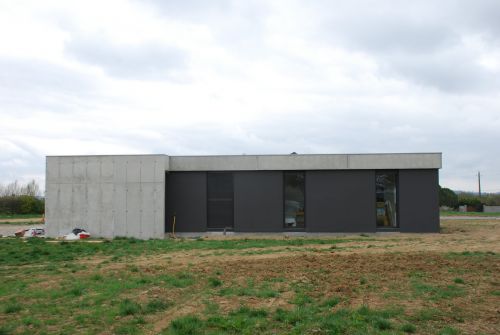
(418, 201)
(186, 196)
(491, 209)
(258, 201)
(306, 162)
(340, 201)
(106, 195)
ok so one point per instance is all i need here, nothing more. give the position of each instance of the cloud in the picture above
(147, 61)
(232, 77)
(424, 42)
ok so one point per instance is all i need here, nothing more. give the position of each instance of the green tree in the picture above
(447, 197)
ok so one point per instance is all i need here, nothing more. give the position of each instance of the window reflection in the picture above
(386, 193)
(294, 199)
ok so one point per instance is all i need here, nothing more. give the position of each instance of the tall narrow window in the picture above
(386, 185)
(294, 183)
(220, 200)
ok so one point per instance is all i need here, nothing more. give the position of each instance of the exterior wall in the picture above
(186, 196)
(418, 201)
(258, 201)
(340, 201)
(491, 209)
(106, 195)
(125, 195)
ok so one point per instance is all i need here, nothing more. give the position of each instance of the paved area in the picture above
(10, 229)
(470, 217)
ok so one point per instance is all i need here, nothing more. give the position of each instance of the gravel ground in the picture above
(10, 229)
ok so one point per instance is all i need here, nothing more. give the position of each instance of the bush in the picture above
(21, 204)
(471, 201)
(447, 197)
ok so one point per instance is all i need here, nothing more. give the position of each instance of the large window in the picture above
(294, 183)
(220, 200)
(386, 184)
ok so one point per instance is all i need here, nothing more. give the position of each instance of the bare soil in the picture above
(416, 272)
(385, 266)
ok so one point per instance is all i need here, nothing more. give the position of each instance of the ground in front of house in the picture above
(444, 283)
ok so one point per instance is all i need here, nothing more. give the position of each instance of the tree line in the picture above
(453, 199)
(19, 198)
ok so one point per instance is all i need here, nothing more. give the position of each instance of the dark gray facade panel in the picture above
(258, 201)
(186, 196)
(340, 201)
(418, 201)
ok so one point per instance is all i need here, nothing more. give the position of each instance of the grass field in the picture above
(20, 216)
(444, 283)
(20, 219)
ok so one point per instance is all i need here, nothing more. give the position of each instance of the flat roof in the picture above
(306, 162)
(431, 160)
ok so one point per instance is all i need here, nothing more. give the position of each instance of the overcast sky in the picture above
(256, 77)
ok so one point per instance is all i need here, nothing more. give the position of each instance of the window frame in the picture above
(284, 199)
(208, 173)
(396, 173)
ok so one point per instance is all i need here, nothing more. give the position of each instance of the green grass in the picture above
(298, 320)
(449, 331)
(36, 251)
(214, 282)
(250, 289)
(52, 287)
(436, 292)
(129, 307)
(20, 216)
(157, 305)
(12, 307)
(452, 213)
(408, 328)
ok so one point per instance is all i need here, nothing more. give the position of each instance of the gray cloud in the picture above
(289, 99)
(419, 41)
(143, 61)
(453, 72)
(28, 84)
(238, 26)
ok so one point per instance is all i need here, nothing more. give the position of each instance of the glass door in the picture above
(386, 187)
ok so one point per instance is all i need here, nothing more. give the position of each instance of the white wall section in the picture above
(108, 196)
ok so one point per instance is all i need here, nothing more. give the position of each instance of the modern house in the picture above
(139, 195)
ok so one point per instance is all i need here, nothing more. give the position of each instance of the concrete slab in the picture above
(52, 168)
(79, 167)
(65, 170)
(93, 169)
(119, 169)
(107, 195)
(134, 196)
(133, 169)
(306, 162)
(119, 209)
